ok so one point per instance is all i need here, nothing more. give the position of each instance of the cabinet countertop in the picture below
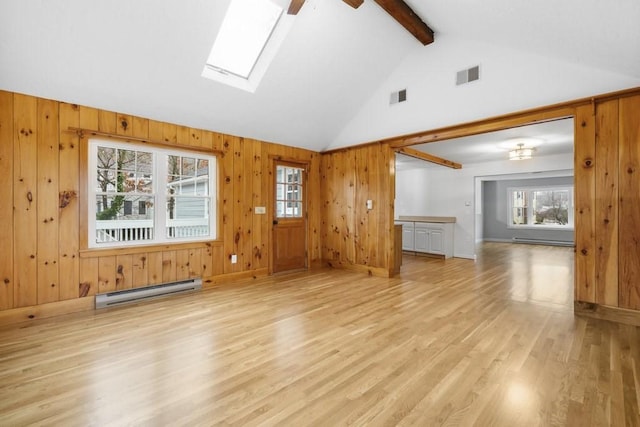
(442, 219)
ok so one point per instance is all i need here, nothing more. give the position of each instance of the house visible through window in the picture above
(289, 202)
(550, 207)
(148, 195)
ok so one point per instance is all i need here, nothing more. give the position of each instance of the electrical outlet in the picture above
(369, 204)
(234, 258)
(260, 210)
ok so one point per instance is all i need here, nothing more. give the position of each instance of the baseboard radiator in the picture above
(111, 299)
(542, 242)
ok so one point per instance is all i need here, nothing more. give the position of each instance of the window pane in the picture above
(295, 210)
(203, 167)
(106, 158)
(173, 165)
(106, 180)
(144, 163)
(519, 216)
(188, 167)
(280, 209)
(121, 219)
(245, 31)
(126, 160)
(144, 184)
(187, 217)
(551, 207)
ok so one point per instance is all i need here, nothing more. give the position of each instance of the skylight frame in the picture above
(266, 54)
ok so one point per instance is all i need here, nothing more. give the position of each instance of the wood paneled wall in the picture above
(352, 235)
(42, 176)
(41, 261)
(607, 175)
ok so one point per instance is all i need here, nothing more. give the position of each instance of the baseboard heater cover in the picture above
(110, 299)
(542, 242)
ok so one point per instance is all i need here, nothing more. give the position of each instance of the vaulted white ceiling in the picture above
(329, 83)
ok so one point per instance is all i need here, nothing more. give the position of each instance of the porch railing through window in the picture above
(141, 230)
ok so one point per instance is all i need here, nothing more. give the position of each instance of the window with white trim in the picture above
(541, 207)
(145, 195)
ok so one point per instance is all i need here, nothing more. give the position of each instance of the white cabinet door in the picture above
(436, 241)
(407, 236)
(422, 239)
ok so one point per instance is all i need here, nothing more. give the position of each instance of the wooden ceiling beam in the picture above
(295, 6)
(428, 157)
(354, 3)
(402, 13)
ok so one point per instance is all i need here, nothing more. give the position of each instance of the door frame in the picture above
(297, 163)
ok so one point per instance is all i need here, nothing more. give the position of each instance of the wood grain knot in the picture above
(584, 251)
(630, 170)
(6, 281)
(124, 124)
(588, 163)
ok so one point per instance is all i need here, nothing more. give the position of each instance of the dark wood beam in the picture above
(429, 158)
(402, 13)
(295, 6)
(354, 3)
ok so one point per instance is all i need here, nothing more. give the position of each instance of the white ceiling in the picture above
(145, 57)
(554, 137)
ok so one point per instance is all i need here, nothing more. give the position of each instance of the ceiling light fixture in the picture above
(521, 153)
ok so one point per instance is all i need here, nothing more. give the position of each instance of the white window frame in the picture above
(159, 180)
(530, 224)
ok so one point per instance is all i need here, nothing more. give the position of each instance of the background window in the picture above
(541, 207)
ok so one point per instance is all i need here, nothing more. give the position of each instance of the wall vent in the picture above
(134, 295)
(399, 96)
(468, 75)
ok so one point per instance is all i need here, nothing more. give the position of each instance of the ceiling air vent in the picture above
(399, 96)
(468, 75)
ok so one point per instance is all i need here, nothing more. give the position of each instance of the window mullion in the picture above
(161, 197)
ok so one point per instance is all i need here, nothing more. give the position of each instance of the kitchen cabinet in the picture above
(407, 235)
(425, 236)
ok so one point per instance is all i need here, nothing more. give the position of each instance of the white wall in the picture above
(411, 192)
(451, 192)
(510, 81)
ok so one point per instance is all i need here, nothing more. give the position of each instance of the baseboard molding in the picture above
(366, 269)
(604, 312)
(209, 282)
(43, 311)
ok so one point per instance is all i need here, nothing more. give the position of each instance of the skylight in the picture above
(245, 35)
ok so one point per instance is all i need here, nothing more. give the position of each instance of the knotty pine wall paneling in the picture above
(352, 235)
(606, 207)
(25, 239)
(45, 179)
(629, 176)
(7, 281)
(47, 201)
(584, 195)
(68, 217)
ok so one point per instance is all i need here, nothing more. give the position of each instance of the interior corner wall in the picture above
(354, 236)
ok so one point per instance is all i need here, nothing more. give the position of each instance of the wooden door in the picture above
(290, 217)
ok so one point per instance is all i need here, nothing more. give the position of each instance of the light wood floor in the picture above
(490, 343)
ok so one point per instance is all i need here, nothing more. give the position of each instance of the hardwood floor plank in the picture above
(447, 342)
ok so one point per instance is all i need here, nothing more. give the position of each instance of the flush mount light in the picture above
(521, 153)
